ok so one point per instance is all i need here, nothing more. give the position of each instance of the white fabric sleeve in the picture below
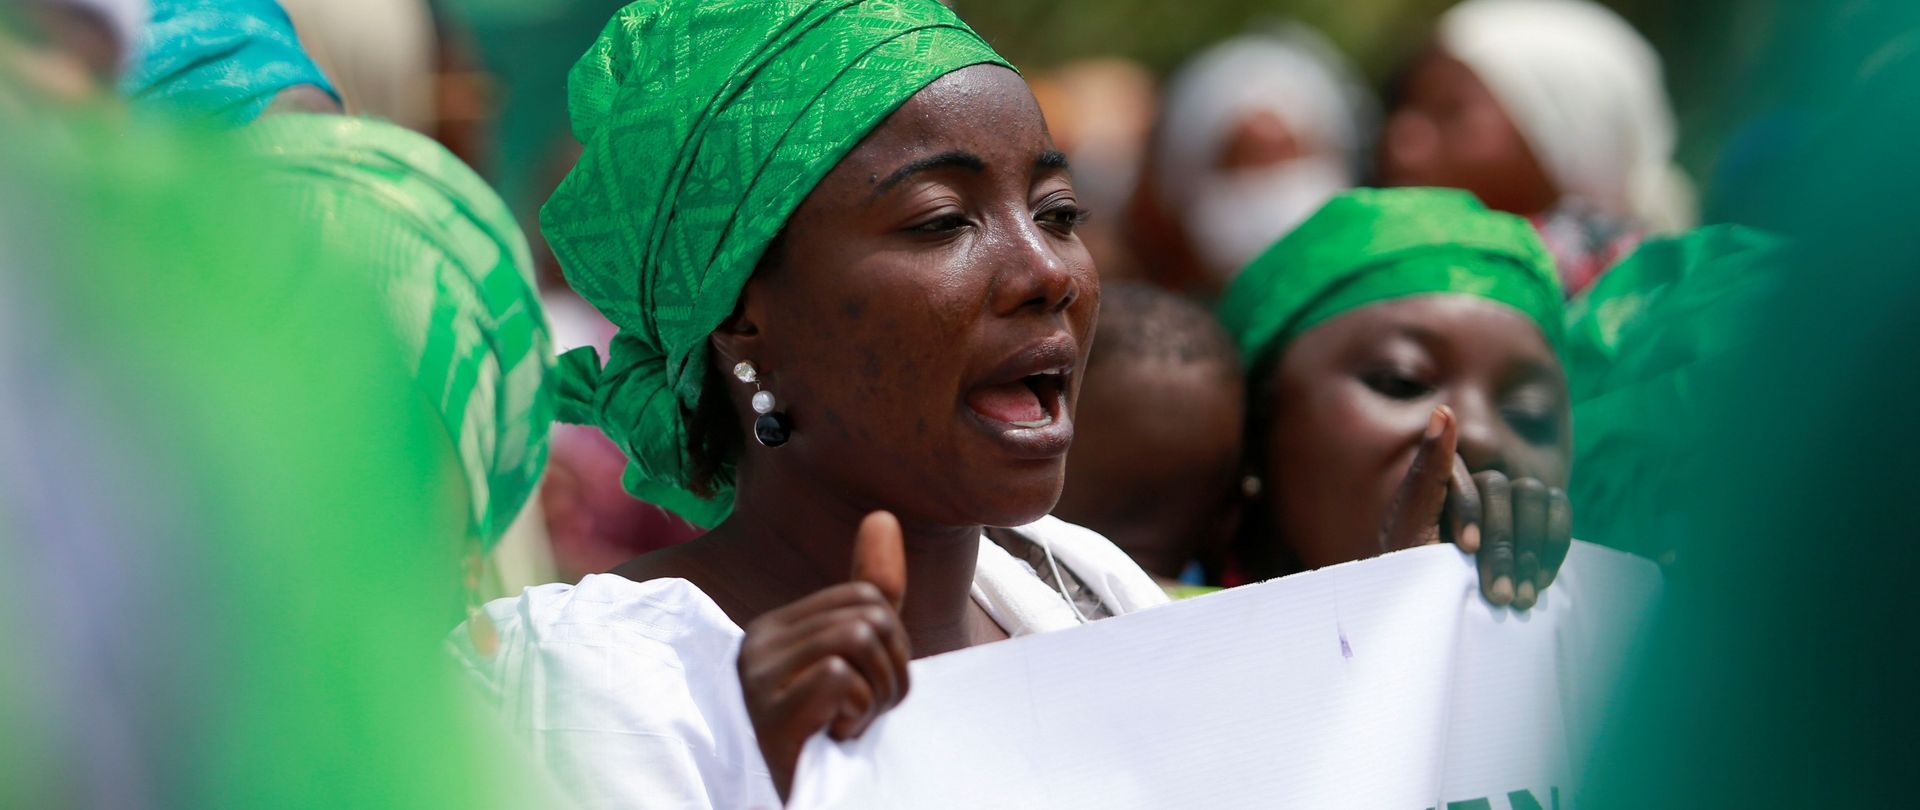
(626, 692)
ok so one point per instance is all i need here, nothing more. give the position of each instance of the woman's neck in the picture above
(786, 541)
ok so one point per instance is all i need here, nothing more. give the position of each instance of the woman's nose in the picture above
(1035, 275)
(1480, 445)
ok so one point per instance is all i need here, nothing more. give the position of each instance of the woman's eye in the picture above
(1535, 427)
(945, 223)
(1397, 385)
(1065, 218)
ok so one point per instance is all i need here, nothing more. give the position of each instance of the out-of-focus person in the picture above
(98, 36)
(213, 487)
(448, 259)
(1100, 113)
(1156, 459)
(62, 54)
(1402, 349)
(1254, 135)
(455, 276)
(1555, 110)
(1780, 670)
(591, 521)
(380, 54)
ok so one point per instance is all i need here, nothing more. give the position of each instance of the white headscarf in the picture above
(1291, 73)
(1585, 90)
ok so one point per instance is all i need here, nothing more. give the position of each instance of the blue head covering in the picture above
(221, 61)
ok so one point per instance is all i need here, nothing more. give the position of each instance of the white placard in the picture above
(1386, 683)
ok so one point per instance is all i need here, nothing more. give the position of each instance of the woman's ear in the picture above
(738, 337)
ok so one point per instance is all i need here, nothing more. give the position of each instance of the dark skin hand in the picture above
(933, 274)
(1448, 130)
(1445, 413)
(837, 658)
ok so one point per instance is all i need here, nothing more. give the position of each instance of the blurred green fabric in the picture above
(1642, 345)
(452, 267)
(218, 501)
(1781, 668)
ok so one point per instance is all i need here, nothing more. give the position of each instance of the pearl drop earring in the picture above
(772, 427)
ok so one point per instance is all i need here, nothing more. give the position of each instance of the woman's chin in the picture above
(1019, 505)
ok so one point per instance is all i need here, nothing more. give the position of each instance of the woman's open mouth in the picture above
(1023, 403)
(1029, 402)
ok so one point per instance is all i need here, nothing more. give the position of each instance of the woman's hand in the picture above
(836, 659)
(1519, 530)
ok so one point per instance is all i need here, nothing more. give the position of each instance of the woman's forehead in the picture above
(986, 110)
(1458, 324)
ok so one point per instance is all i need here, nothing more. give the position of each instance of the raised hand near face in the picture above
(1518, 529)
(835, 659)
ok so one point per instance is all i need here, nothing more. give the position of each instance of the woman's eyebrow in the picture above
(945, 160)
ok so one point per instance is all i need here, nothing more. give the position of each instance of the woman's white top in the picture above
(627, 692)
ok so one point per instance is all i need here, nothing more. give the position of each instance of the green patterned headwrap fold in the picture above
(457, 281)
(705, 124)
(1372, 245)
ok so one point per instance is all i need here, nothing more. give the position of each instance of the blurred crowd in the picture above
(329, 327)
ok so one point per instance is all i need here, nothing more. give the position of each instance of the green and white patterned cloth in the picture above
(458, 285)
(705, 124)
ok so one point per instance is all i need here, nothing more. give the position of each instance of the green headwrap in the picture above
(705, 124)
(1373, 245)
(1645, 344)
(458, 284)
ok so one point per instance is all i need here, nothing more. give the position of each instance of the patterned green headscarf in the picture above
(457, 280)
(1372, 245)
(705, 124)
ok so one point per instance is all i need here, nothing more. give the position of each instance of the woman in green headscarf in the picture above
(456, 280)
(839, 245)
(1402, 351)
(219, 498)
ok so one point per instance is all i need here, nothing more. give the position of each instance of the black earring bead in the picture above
(772, 429)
